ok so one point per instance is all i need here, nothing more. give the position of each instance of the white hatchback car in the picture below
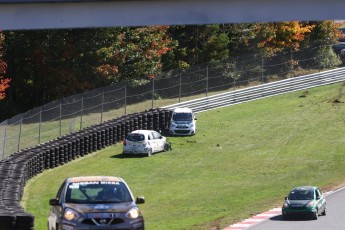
(145, 142)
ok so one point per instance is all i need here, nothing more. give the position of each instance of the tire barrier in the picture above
(105, 136)
(144, 118)
(21, 166)
(149, 120)
(156, 124)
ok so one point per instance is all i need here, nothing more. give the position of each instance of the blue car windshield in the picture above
(97, 192)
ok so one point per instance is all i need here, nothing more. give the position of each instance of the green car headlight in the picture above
(310, 204)
(285, 205)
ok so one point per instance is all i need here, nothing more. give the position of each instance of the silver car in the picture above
(95, 202)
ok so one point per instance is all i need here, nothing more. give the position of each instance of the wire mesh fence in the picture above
(71, 114)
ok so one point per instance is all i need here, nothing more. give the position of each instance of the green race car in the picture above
(304, 201)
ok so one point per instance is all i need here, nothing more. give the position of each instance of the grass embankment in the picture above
(243, 160)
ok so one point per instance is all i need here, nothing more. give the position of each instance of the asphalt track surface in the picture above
(273, 220)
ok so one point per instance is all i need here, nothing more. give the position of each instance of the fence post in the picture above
(206, 80)
(153, 92)
(262, 70)
(102, 106)
(20, 134)
(180, 89)
(39, 127)
(60, 117)
(81, 111)
(126, 99)
(291, 66)
(235, 70)
(4, 143)
(320, 62)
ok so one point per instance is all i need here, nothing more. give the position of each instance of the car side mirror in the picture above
(318, 197)
(54, 201)
(140, 200)
(286, 198)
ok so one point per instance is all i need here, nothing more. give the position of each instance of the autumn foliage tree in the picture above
(280, 36)
(324, 33)
(134, 54)
(53, 64)
(4, 82)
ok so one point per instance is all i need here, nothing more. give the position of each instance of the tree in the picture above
(323, 32)
(280, 36)
(52, 64)
(242, 38)
(134, 54)
(323, 35)
(198, 44)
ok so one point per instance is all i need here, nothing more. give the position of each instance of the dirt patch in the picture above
(337, 101)
(304, 93)
(340, 95)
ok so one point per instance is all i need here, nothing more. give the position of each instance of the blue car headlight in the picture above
(133, 213)
(70, 214)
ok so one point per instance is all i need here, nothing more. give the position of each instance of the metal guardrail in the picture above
(262, 91)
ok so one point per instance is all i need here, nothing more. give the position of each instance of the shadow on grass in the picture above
(123, 156)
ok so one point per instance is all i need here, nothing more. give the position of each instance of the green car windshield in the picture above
(301, 194)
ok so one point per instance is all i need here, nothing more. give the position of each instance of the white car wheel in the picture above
(149, 152)
(167, 147)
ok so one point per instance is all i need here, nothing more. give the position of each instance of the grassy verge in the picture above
(32, 132)
(243, 160)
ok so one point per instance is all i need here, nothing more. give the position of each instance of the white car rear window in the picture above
(135, 137)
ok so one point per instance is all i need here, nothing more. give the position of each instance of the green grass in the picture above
(32, 132)
(243, 160)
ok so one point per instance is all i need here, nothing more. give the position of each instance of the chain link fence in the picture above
(71, 114)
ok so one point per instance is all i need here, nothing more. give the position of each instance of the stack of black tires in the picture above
(17, 169)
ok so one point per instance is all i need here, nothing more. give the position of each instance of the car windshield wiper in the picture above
(77, 202)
